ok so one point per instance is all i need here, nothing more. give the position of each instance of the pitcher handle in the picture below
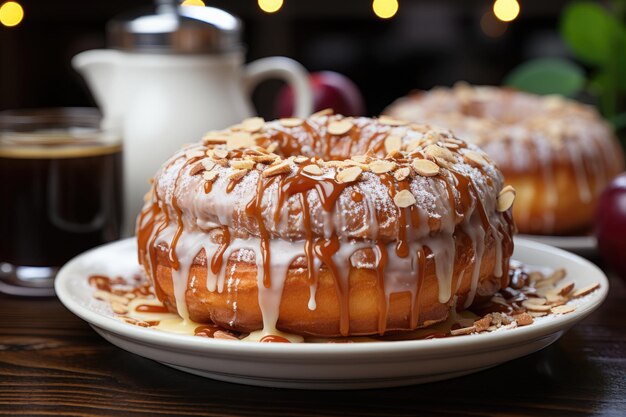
(289, 70)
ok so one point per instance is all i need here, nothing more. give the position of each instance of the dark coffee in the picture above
(60, 194)
(57, 204)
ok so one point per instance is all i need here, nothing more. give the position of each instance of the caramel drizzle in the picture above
(172, 256)
(254, 209)
(218, 256)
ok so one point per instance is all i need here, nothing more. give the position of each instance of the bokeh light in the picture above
(192, 3)
(385, 9)
(506, 10)
(270, 6)
(11, 14)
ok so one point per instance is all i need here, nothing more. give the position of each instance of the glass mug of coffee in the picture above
(60, 193)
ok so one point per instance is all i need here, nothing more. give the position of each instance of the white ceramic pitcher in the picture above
(176, 73)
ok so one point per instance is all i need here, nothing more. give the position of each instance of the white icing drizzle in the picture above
(579, 170)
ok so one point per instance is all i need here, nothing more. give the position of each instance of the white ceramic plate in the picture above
(323, 366)
(581, 245)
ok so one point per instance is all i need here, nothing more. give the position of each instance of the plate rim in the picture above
(572, 243)
(425, 348)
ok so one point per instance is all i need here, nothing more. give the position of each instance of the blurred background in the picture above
(386, 47)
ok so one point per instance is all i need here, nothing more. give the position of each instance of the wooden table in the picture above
(52, 363)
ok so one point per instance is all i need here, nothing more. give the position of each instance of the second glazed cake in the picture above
(558, 154)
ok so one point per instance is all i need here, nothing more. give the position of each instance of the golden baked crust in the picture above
(309, 241)
(557, 153)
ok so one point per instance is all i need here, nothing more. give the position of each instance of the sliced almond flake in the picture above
(220, 153)
(222, 334)
(215, 137)
(239, 140)
(535, 307)
(360, 159)
(563, 309)
(237, 174)
(260, 149)
(340, 127)
(351, 162)
(404, 199)
(483, 323)
(253, 124)
(474, 158)
(413, 145)
(505, 199)
(272, 147)
(194, 154)
(554, 298)
(433, 136)
(523, 319)
(425, 168)
(325, 112)
(394, 154)
(300, 159)
(208, 164)
(242, 164)
(393, 143)
(463, 331)
(381, 167)
(390, 121)
(438, 152)
(209, 175)
(264, 159)
(536, 300)
(402, 173)
(291, 122)
(222, 162)
(119, 308)
(586, 290)
(565, 289)
(537, 313)
(335, 164)
(282, 168)
(214, 140)
(196, 169)
(313, 170)
(349, 174)
(451, 145)
(552, 279)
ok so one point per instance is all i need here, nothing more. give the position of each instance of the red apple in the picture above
(330, 90)
(611, 224)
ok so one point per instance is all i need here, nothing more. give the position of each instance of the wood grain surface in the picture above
(52, 363)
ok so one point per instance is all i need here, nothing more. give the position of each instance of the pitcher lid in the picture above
(170, 28)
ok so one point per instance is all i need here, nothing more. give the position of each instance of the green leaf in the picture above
(618, 121)
(620, 59)
(548, 76)
(589, 31)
